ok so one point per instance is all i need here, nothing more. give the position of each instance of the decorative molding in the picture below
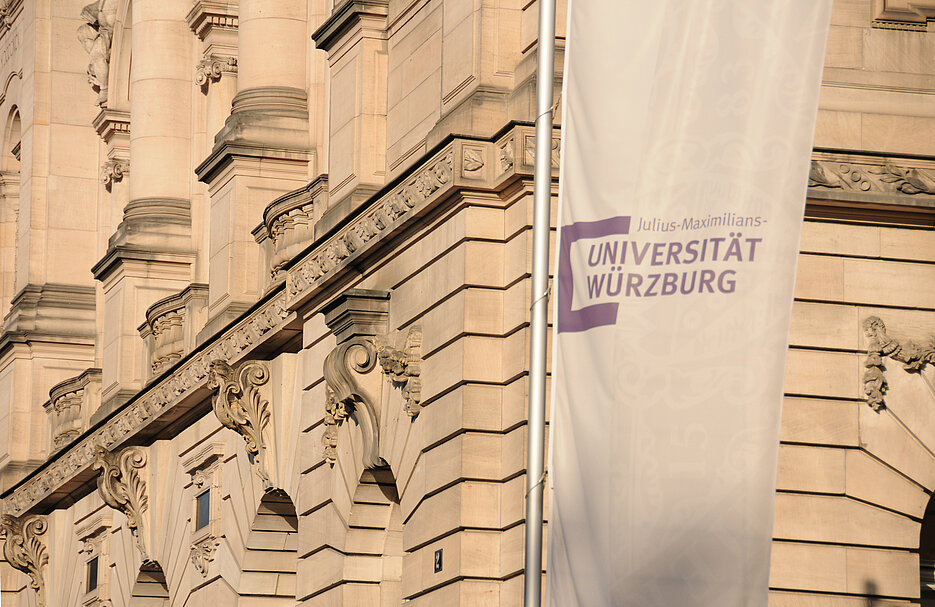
(23, 549)
(211, 68)
(208, 15)
(123, 488)
(880, 345)
(387, 213)
(911, 15)
(151, 403)
(9, 11)
(289, 222)
(114, 170)
(881, 176)
(70, 403)
(404, 368)
(240, 407)
(203, 464)
(472, 160)
(506, 155)
(95, 35)
(529, 150)
(111, 123)
(93, 535)
(170, 325)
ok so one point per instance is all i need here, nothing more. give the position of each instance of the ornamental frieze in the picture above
(387, 213)
(881, 176)
(190, 375)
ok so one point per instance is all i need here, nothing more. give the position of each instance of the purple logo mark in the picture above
(597, 315)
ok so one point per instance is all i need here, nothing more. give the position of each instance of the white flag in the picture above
(687, 135)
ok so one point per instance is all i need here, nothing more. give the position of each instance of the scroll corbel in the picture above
(122, 487)
(239, 406)
(23, 548)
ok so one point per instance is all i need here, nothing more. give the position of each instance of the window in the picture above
(92, 574)
(203, 510)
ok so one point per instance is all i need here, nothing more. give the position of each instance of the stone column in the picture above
(262, 152)
(150, 256)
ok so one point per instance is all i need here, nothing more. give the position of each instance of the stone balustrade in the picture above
(71, 404)
(289, 223)
(171, 326)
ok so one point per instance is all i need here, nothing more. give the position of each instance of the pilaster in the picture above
(355, 38)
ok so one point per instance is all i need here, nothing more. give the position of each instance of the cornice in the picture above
(176, 391)
(211, 14)
(345, 18)
(110, 122)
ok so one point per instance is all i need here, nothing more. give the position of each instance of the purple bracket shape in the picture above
(598, 315)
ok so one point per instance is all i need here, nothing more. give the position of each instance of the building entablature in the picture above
(314, 279)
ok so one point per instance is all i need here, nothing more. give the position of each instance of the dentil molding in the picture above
(903, 14)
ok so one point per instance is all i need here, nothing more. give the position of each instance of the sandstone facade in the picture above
(264, 271)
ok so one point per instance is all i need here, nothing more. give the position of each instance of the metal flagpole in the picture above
(538, 329)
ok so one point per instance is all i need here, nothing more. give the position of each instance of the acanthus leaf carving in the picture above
(202, 553)
(23, 549)
(913, 357)
(240, 407)
(122, 487)
(404, 368)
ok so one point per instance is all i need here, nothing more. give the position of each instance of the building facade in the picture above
(264, 272)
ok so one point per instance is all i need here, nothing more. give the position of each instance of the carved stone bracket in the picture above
(123, 488)
(114, 170)
(913, 357)
(23, 549)
(211, 68)
(240, 407)
(352, 381)
(202, 553)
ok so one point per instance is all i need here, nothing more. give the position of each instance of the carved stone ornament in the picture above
(240, 407)
(122, 487)
(353, 388)
(404, 368)
(344, 368)
(157, 398)
(95, 35)
(880, 346)
(211, 68)
(883, 177)
(114, 170)
(202, 553)
(23, 549)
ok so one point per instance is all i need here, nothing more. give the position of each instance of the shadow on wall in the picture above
(870, 590)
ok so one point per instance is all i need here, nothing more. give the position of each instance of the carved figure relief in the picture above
(240, 407)
(123, 488)
(879, 346)
(23, 549)
(95, 35)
